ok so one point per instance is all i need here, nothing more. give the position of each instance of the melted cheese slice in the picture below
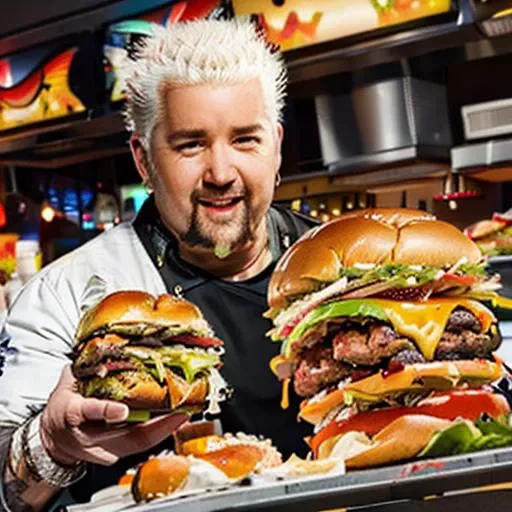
(425, 322)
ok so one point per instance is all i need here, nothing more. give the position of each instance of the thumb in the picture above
(81, 410)
(94, 409)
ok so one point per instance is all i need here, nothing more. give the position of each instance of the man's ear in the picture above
(279, 143)
(140, 157)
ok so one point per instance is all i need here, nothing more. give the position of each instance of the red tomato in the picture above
(468, 404)
(463, 280)
(197, 341)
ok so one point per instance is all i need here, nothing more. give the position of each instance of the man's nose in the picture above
(220, 169)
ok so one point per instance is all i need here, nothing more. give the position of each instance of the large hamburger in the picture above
(383, 335)
(154, 354)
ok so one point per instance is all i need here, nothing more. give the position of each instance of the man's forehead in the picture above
(234, 106)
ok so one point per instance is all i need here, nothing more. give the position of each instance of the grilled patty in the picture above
(368, 347)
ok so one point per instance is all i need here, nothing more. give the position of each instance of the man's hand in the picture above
(69, 435)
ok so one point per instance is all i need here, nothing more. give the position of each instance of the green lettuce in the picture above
(401, 273)
(466, 437)
(344, 308)
(191, 362)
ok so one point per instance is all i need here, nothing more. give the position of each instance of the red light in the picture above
(3, 218)
(456, 195)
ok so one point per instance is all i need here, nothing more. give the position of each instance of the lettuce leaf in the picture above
(453, 440)
(402, 272)
(344, 308)
(191, 362)
(466, 437)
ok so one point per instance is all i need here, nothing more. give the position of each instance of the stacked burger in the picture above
(383, 335)
(156, 354)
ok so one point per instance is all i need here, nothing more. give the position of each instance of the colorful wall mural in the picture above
(296, 23)
(35, 86)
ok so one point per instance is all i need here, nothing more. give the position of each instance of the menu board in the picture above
(296, 23)
(43, 83)
(121, 37)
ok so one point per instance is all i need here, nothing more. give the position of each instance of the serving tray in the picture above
(414, 480)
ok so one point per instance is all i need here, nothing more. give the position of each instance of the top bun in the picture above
(484, 228)
(375, 236)
(137, 307)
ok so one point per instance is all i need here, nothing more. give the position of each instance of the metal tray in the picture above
(414, 480)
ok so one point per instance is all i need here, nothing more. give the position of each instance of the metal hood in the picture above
(489, 124)
(488, 161)
(401, 123)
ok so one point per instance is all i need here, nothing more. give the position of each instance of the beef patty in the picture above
(348, 347)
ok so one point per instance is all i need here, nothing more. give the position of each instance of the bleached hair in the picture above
(216, 52)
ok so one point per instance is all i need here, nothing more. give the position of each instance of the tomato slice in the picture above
(197, 341)
(468, 404)
(464, 280)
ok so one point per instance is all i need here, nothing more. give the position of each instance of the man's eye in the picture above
(247, 141)
(190, 146)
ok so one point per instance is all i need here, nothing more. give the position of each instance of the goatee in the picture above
(197, 237)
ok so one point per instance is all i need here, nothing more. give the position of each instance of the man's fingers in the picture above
(91, 435)
(94, 409)
(80, 410)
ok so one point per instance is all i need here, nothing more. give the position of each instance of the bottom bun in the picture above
(402, 440)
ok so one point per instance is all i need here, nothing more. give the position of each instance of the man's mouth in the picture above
(220, 203)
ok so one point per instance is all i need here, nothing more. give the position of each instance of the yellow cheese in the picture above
(285, 400)
(502, 302)
(424, 322)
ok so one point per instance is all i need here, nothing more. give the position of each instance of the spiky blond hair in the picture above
(199, 52)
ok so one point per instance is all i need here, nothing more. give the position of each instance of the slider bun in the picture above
(160, 476)
(375, 236)
(268, 456)
(137, 307)
(235, 461)
(166, 474)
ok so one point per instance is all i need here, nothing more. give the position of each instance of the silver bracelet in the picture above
(40, 464)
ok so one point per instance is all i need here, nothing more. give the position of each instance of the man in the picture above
(204, 107)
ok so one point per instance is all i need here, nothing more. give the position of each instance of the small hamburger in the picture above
(378, 319)
(154, 354)
(494, 236)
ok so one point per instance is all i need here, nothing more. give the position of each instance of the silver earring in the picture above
(278, 179)
(147, 186)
